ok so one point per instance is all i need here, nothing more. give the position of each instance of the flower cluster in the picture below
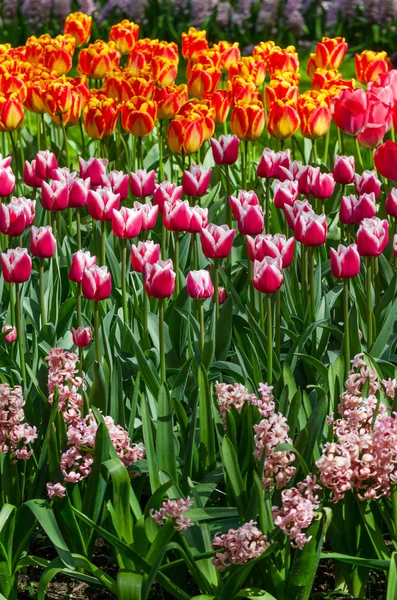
(14, 435)
(63, 378)
(174, 509)
(239, 545)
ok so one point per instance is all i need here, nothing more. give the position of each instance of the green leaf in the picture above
(165, 447)
(254, 594)
(392, 583)
(207, 453)
(230, 462)
(379, 345)
(129, 585)
(149, 446)
(224, 330)
(98, 395)
(368, 563)
(121, 491)
(149, 374)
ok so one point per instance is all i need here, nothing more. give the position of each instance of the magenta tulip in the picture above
(5, 162)
(367, 183)
(271, 245)
(196, 180)
(199, 285)
(268, 274)
(372, 237)
(345, 261)
(93, 168)
(118, 182)
(81, 336)
(142, 183)
(344, 169)
(42, 242)
(274, 164)
(149, 214)
(80, 261)
(243, 198)
(159, 279)
(225, 149)
(395, 244)
(166, 192)
(391, 203)
(144, 253)
(126, 222)
(217, 240)
(349, 110)
(322, 185)
(101, 204)
(311, 229)
(29, 175)
(353, 210)
(16, 265)
(78, 192)
(13, 218)
(293, 212)
(222, 295)
(7, 181)
(180, 216)
(12, 335)
(285, 192)
(96, 283)
(45, 163)
(54, 195)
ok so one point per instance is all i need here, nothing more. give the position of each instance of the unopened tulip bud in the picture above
(159, 279)
(29, 175)
(144, 253)
(199, 284)
(78, 192)
(196, 180)
(118, 182)
(96, 283)
(101, 204)
(149, 214)
(55, 195)
(372, 237)
(285, 192)
(225, 149)
(45, 163)
(271, 245)
(142, 183)
(268, 275)
(322, 185)
(16, 265)
(243, 198)
(217, 240)
(93, 168)
(344, 169)
(345, 261)
(80, 261)
(81, 336)
(11, 335)
(222, 295)
(42, 242)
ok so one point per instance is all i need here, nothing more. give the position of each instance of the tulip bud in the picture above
(391, 203)
(142, 183)
(96, 283)
(225, 149)
(372, 237)
(353, 210)
(78, 192)
(101, 204)
(367, 183)
(149, 214)
(293, 212)
(222, 295)
(217, 240)
(16, 265)
(196, 180)
(199, 284)
(29, 175)
(93, 168)
(159, 279)
(271, 245)
(345, 261)
(144, 253)
(80, 261)
(166, 192)
(272, 163)
(118, 182)
(12, 335)
(13, 218)
(54, 195)
(344, 169)
(322, 184)
(81, 336)
(268, 274)
(311, 229)
(7, 181)
(242, 199)
(126, 222)
(285, 192)
(42, 242)
(45, 163)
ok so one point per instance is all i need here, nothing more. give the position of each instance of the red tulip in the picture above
(159, 279)
(166, 192)
(118, 182)
(217, 240)
(196, 180)
(93, 168)
(268, 274)
(272, 163)
(82, 336)
(16, 265)
(225, 149)
(96, 283)
(54, 195)
(285, 192)
(144, 253)
(142, 183)
(349, 110)
(199, 284)
(271, 245)
(293, 212)
(344, 169)
(353, 210)
(149, 214)
(101, 204)
(322, 184)
(311, 229)
(12, 335)
(367, 183)
(78, 192)
(345, 261)
(80, 261)
(379, 122)
(385, 159)
(372, 237)
(126, 222)
(42, 242)
(13, 218)
(7, 181)
(391, 203)
(45, 163)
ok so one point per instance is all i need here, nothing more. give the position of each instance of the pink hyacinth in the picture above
(239, 545)
(174, 509)
(55, 490)
(14, 434)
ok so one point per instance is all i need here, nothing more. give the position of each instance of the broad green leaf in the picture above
(207, 435)
(230, 462)
(165, 447)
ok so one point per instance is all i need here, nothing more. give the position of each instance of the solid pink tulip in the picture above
(391, 203)
(149, 214)
(54, 195)
(268, 274)
(367, 183)
(7, 181)
(349, 110)
(142, 183)
(81, 336)
(217, 240)
(159, 279)
(225, 149)
(96, 283)
(166, 192)
(196, 180)
(345, 261)
(93, 168)
(45, 163)
(285, 192)
(199, 285)
(12, 335)
(144, 253)
(16, 265)
(311, 229)
(80, 261)
(372, 237)
(344, 169)
(101, 204)
(353, 210)
(42, 242)
(126, 222)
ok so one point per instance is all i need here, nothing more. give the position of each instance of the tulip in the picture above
(395, 245)
(169, 99)
(280, 89)
(353, 210)
(222, 296)
(367, 183)
(78, 192)
(96, 283)
(142, 183)
(199, 285)
(79, 26)
(344, 169)
(42, 242)
(118, 182)
(7, 181)
(271, 245)
(250, 219)
(225, 149)
(29, 207)
(283, 120)
(5, 162)
(98, 59)
(81, 336)
(166, 192)
(379, 121)
(385, 159)
(285, 192)
(54, 195)
(185, 136)
(139, 116)
(272, 163)
(11, 336)
(101, 204)
(349, 111)
(93, 168)
(304, 176)
(194, 43)
(149, 214)
(29, 174)
(80, 261)
(322, 184)
(16, 265)
(369, 65)
(202, 80)
(345, 261)
(311, 229)
(314, 114)
(45, 164)
(391, 203)
(196, 180)
(11, 113)
(372, 236)
(126, 222)
(268, 274)
(293, 212)
(159, 279)
(179, 216)
(100, 117)
(144, 253)
(330, 53)
(248, 120)
(13, 218)
(244, 197)
(220, 103)
(217, 240)
(124, 35)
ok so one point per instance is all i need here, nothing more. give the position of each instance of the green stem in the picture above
(42, 290)
(20, 336)
(251, 290)
(326, 146)
(103, 243)
(267, 206)
(346, 323)
(176, 240)
(161, 149)
(96, 331)
(269, 338)
(201, 310)
(216, 288)
(123, 278)
(245, 164)
(82, 137)
(315, 154)
(193, 237)
(360, 158)
(15, 154)
(304, 273)
(161, 340)
(12, 306)
(78, 228)
(369, 304)
(78, 304)
(312, 297)
(228, 194)
(278, 324)
(163, 242)
(65, 142)
(145, 319)
(140, 154)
